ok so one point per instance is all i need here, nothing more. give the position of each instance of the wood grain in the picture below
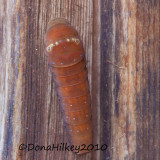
(121, 39)
(130, 79)
(30, 111)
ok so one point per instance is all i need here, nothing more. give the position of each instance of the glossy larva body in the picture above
(66, 58)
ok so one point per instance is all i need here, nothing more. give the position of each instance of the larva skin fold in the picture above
(66, 58)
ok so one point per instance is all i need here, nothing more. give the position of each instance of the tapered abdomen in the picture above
(66, 58)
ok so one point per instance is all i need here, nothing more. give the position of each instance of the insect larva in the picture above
(66, 59)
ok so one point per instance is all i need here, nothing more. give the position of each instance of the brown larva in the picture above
(66, 58)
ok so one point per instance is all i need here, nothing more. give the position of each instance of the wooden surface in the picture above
(122, 41)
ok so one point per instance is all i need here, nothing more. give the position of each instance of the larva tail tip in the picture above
(56, 21)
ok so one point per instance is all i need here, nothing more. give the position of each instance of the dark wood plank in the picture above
(130, 79)
(148, 59)
(106, 74)
(30, 111)
(121, 39)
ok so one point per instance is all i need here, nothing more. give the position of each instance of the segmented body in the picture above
(66, 58)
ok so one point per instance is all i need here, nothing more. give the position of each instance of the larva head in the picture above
(63, 46)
